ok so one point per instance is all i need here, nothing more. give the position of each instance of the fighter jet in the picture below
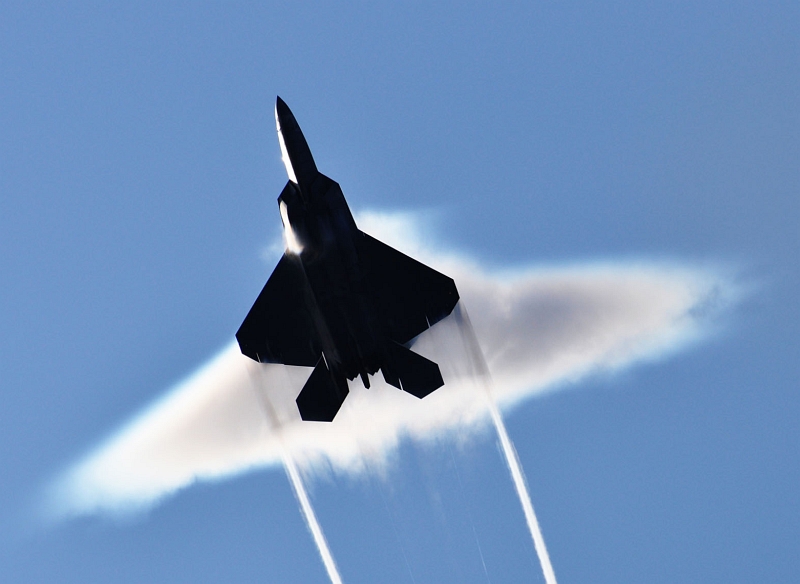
(339, 300)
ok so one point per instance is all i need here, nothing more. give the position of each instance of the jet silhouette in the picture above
(339, 300)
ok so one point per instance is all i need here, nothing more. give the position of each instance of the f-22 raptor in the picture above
(339, 300)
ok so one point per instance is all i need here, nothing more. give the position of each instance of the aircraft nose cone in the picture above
(284, 117)
(294, 149)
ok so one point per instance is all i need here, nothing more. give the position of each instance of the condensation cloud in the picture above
(540, 329)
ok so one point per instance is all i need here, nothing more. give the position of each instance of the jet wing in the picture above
(279, 327)
(409, 296)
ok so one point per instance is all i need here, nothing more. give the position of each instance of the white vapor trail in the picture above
(539, 329)
(481, 372)
(311, 520)
(524, 496)
(260, 386)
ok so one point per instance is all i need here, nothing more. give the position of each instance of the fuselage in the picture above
(320, 229)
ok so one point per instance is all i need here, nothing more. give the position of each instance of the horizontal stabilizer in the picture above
(411, 372)
(322, 395)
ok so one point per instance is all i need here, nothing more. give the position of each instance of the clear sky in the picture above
(138, 174)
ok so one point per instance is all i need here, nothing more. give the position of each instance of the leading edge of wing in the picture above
(410, 296)
(279, 326)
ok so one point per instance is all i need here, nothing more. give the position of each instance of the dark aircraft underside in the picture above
(408, 298)
(339, 300)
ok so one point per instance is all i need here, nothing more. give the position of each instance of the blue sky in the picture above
(138, 175)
